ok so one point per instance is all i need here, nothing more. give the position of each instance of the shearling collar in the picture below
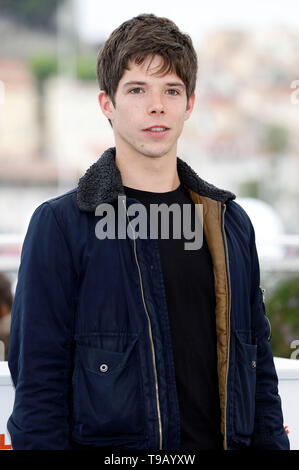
(102, 183)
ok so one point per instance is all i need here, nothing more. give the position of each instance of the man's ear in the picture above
(190, 106)
(106, 104)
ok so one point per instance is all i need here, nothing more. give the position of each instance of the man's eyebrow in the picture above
(178, 84)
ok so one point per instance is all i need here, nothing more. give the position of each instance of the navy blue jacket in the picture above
(90, 350)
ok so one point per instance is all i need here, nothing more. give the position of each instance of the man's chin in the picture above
(154, 151)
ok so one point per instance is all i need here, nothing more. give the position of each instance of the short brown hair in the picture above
(143, 36)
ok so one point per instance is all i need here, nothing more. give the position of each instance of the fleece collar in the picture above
(102, 183)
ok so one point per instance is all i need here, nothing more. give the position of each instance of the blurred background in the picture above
(242, 135)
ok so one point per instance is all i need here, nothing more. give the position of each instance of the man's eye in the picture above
(174, 91)
(134, 89)
(133, 92)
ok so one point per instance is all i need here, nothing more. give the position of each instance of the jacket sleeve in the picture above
(269, 432)
(40, 354)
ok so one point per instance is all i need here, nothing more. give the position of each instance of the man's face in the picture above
(157, 101)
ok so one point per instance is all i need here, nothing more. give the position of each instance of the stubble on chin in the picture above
(152, 152)
(146, 149)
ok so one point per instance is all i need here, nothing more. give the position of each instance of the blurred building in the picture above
(247, 126)
(76, 130)
(19, 112)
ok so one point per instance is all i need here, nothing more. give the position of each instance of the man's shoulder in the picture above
(63, 207)
(64, 199)
(61, 201)
(238, 215)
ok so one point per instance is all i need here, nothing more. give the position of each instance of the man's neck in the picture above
(154, 174)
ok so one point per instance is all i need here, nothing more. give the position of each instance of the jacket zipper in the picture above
(229, 290)
(150, 336)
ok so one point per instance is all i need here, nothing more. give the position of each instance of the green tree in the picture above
(283, 312)
(46, 65)
(276, 139)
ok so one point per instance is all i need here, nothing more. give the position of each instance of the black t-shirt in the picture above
(189, 284)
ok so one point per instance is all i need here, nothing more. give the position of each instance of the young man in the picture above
(137, 342)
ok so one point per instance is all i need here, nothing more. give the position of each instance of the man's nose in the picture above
(156, 105)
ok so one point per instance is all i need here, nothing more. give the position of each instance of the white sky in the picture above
(97, 18)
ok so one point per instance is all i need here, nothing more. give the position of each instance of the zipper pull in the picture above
(263, 293)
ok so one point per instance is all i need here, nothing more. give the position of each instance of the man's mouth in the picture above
(157, 131)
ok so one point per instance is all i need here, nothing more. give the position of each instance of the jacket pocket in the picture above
(107, 393)
(245, 383)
